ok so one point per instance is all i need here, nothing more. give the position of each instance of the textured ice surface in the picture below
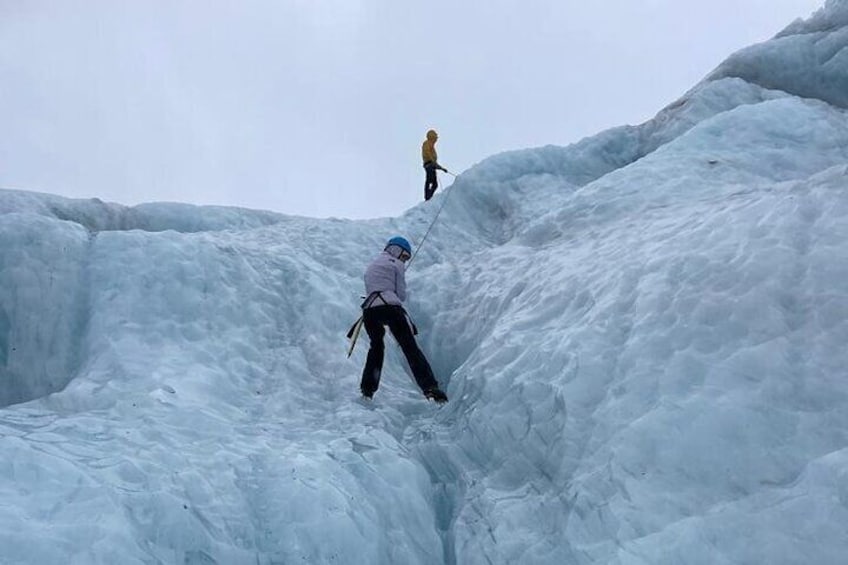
(642, 335)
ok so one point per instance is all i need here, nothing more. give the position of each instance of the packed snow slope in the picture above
(642, 335)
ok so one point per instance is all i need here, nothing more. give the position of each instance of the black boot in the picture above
(436, 394)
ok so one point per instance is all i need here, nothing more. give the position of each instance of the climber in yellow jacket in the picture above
(431, 164)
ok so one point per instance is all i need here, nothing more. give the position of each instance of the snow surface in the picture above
(642, 335)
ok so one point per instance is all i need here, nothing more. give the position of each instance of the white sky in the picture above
(319, 107)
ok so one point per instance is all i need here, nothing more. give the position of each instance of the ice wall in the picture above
(641, 335)
(807, 59)
(43, 307)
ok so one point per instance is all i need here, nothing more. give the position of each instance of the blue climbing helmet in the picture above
(400, 242)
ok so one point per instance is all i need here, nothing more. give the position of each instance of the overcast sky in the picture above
(319, 107)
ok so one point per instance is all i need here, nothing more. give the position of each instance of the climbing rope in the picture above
(432, 223)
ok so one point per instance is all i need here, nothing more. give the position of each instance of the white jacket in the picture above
(386, 275)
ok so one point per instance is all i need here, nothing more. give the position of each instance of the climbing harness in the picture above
(353, 332)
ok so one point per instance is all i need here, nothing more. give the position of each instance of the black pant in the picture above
(375, 320)
(431, 183)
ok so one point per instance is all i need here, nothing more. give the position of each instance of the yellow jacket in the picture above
(428, 148)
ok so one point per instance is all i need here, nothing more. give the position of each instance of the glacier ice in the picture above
(642, 334)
